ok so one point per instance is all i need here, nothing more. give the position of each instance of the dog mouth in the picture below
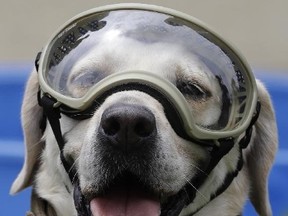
(126, 195)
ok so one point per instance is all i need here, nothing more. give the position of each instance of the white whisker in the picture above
(74, 177)
(202, 195)
(198, 168)
(71, 168)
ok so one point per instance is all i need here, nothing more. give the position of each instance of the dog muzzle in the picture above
(74, 88)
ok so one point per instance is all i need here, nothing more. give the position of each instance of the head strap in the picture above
(53, 116)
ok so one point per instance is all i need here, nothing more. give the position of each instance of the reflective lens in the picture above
(216, 84)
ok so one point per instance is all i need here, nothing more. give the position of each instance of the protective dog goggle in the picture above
(76, 67)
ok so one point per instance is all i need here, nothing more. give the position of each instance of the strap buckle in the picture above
(36, 62)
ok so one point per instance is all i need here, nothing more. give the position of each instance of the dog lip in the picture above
(124, 180)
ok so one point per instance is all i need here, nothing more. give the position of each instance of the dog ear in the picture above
(262, 153)
(31, 114)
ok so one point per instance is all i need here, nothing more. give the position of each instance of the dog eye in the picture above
(86, 79)
(192, 90)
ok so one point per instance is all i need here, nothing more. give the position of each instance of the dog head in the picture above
(128, 156)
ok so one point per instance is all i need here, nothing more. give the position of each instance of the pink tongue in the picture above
(122, 202)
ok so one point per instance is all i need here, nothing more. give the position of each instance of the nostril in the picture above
(111, 126)
(144, 127)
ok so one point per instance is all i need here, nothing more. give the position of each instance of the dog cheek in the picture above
(88, 164)
(74, 140)
(184, 160)
(170, 168)
(197, 157)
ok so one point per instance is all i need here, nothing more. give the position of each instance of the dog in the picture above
(161, 164)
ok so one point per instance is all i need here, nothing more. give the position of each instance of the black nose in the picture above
(127, 126)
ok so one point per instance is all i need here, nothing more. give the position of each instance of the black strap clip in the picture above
(246, 139)
(37, 60)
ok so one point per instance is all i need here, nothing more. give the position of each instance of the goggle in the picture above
(190, 66)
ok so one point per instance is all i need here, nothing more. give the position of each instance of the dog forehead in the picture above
(127, 54)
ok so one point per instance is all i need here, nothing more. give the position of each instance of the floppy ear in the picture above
(31, 114)
(262, 153)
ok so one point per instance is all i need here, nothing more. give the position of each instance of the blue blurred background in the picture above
(258, 28)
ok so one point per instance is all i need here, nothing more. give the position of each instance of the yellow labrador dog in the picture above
(152, 114)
